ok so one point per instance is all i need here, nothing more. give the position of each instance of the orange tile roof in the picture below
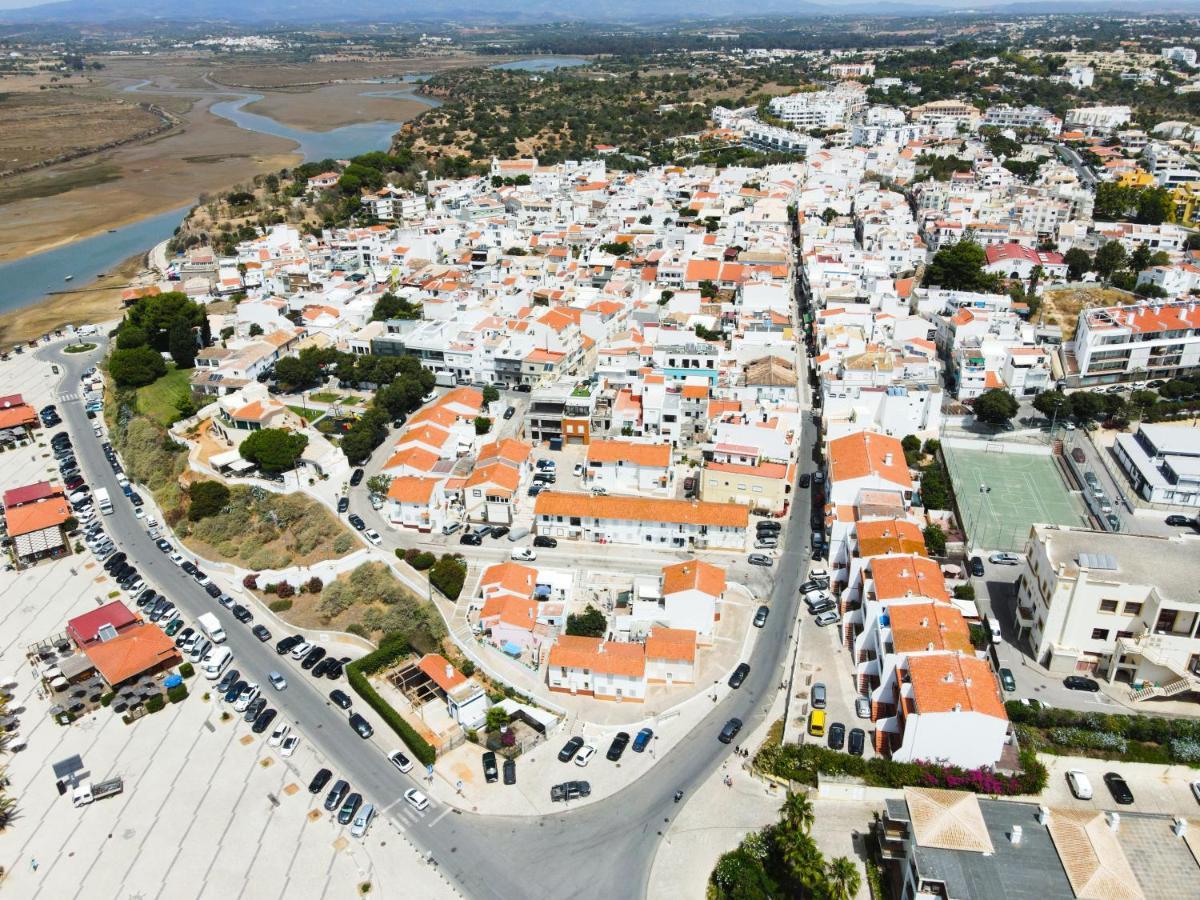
(695, 391)
(14, 416)
(671, 643)
(509, 577)
(603, 657)
(638, 454)
(642, 509)
(879, 536)
(131, 653)
(762, 470)
(465, 395)
(943, 682)
(703, 270)
(693, 575)
(439, 670)
(867, 453)
(907, 576)
(414, 458)
(918, 627)
(36, 516)
(516, 611)
(497, 474)
(412, 489)
(507, 450)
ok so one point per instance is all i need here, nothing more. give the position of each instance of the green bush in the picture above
(448, 575)
(390, 649)
(1131, 738)
(342, 544)
(279, 605)
(422, 561)
(155, 703)
(187, 670)
(177, 693)
(107, 699)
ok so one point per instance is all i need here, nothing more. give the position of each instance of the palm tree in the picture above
(803, 859)
(798, 812)
(843, 878)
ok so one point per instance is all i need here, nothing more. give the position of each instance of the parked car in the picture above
(542, 541)
(730, 731)
(585, 755)
(759, 559)
(509, 411)
(804, 480)
(570, 748)
(285, 645)
(373, 536)
(490, 772)
(1007, 681)
(641, 740)
(471, 538)
(858, 740)
(836, 736)
(862, 707)
(975, 566)
(263, 721)
(1081, 683)
(340, 699)
(1080, 784)
(301, 650)
(1178, 520)
(319, 781)
(356, 477)
(333, 800)
(356, 520)
(760, 616)
(739, 675)
(362, 821)
(314, 656)
(829, 617)
(1119, 788)
(510, 771)
(349, 807)
(522, 554)
(1004, 559)
(243, 615)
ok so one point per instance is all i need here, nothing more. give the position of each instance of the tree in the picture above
(1052, 403)
(448, 575)
(844, 880)
(182, 345)
(829, 215)
(1078, 262)
(273, 449)
(379, 484)
(297, 371)
(1143, 400)
(589, 623)
(497, 718)
(1155, 206)
(1110, 258)
(482, 424)
(995, 407)
(935, 540)
(803, 859)
(206, 498)
(1086, 405)
(490, 394)
(912, 448)
(255, 330)
(131, 336)
(136, 366)
(798, 812)
(389, 306)
(959, 267)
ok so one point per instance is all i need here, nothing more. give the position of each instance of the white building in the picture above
(592, 667)
(1143, 340)
(641, 520)
(628, 467)
(1162, 463)
(1121, 606)
(1022, 117)
(1098, 119)
(686, 595)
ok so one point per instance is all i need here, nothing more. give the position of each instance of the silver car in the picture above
(829, 617)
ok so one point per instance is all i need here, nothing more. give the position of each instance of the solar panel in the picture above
(106, 632)
(1104, 561)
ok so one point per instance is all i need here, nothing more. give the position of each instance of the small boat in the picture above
(68, 278)
(112, 231)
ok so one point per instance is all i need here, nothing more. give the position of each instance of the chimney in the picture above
(929, 646)
(948, 678)
(1015, 834)
(1179, 826)
(1043, 815)
(449, 671)
(1114, 821)
(887, 459)
(967, 681)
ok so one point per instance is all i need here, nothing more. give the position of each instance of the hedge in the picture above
(177, 693)
(279, 605)
(187, 670)
(804, 762)
(1149, 739)
(391, 648)
(155, 703)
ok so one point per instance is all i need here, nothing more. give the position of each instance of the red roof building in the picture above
(31, 493)
(101, 624)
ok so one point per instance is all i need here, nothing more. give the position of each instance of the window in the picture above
(1133, 609)
(1124, 634)
(1099, 634)
(477, 493)
(1108, 606)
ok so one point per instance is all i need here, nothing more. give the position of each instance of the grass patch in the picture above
(42, 184)
(306, 414)
(79, 348)
(158, 400)
(325, 397)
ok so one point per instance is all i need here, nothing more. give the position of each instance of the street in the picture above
(500, 856)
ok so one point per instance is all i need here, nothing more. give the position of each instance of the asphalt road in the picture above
(594, 851)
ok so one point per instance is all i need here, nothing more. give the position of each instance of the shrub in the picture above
(1185, 750)
(342, 544)
(448, 575)
(314, 585)
(284, 590)
(207, 498)
(187, 670)
(359, 629)
(155, 703)
(177, 693)
(279, 605)
(107, 699)
(250, 582)
(270, 588)
(422, 561)
(408, 555)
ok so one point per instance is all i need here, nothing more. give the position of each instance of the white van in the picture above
(993, 628)
(216, 662)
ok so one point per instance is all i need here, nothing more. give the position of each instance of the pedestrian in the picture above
(33, 863)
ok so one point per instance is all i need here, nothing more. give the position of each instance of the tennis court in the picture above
(1003, 489)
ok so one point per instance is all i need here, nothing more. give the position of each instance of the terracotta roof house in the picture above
(140, 650)
(641, 520)
(593, 667)
(101, 624)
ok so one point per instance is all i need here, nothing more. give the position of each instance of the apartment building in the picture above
(592, 667)
(1120, 606)
(628, 467)
(1098, 119)
(641, 520)
(1024, 117)
(866, 461)
(1156, 339)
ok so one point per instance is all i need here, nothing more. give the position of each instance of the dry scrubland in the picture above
(1061, 306)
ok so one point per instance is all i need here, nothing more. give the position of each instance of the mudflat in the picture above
(268, 75)
(333, 106)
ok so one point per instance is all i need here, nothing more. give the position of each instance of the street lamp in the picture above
(984, 490)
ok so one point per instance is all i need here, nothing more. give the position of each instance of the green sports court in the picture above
(1024, 486)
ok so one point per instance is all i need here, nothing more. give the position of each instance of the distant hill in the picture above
(299, 12)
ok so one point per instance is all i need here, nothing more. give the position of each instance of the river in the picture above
(28, 280)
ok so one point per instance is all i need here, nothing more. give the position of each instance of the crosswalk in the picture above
(68, 397)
